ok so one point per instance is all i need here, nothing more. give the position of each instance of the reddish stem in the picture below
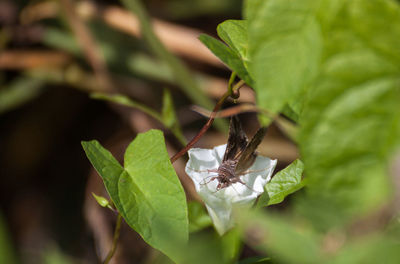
(203, 129)
(207, 125)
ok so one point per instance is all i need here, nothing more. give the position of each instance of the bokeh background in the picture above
(53, 56)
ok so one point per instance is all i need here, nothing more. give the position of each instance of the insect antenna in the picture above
(250, 171)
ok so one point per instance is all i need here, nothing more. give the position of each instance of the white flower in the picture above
(220, 203)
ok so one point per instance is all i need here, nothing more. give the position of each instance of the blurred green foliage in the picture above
(331, 66)
(7, 254)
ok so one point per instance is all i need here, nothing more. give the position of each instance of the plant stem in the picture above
(231, 80)
(181, 74)
(209, 122)
(124, 100)
(115, 239)
(286, 126)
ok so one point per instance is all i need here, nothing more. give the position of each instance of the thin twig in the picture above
(115, 239)
(209, 122)
(90, 49)
(31, 59)
(234, 110)
(177, 38)
(286, 126)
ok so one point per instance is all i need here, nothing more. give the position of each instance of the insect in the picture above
(239, 155)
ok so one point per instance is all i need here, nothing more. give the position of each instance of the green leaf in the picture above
(263, 199)
(144, 65)
(168, 111)
(375, 16)
(350, 123)
(228, 56)
(152, 196)
(347, 152)
(290, 113)
(231, 244)
(19, 92)
(234, 33)
(60, 39)
(285, 182)
(369, 250)
(277, 236)
(108, 168)
(210, 247)
(285, 45)
(204, 247)
(169, 116)
(198, 217)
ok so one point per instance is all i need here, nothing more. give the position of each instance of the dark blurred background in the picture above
(46, 75)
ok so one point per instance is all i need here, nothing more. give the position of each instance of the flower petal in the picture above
(202, 167)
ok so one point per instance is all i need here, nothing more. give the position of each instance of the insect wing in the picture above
(249, 154)
(237, 140)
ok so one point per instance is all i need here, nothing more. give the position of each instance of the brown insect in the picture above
(239, 155)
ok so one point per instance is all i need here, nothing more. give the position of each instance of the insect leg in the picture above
(212, 178)
(240, 181)
(249, 171)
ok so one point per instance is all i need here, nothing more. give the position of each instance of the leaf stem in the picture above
(124, 100)
(207, 125)
(231, 80)
(287, 127)
(115, 239)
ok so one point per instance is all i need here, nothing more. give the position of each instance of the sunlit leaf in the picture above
(227, 55)
(152, 196)
(108, 168)
(284, 49)
(169, 116)
(285, 182)
(168, 111)
(234, 33)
